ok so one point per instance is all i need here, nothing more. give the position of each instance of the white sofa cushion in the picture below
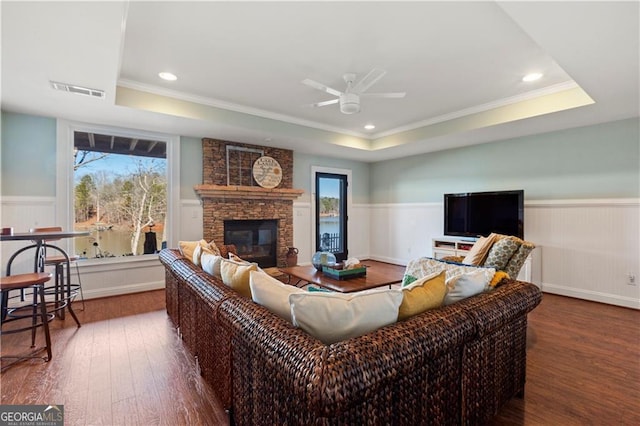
(332, 317)
(272, 294)
(466, 285)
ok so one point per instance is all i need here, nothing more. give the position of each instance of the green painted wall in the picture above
(190, 167)
(28, 155)
(302, 164)
(601, 161)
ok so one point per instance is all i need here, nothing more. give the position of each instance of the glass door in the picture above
(331, 214)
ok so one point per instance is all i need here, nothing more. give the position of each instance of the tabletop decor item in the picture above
(344, 274)
(292, 256)
(321, 258)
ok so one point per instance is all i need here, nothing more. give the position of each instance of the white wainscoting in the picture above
(585, 248)
(588, 248)
(358, 231)
(24, 213)
(401, 232)
(100, 277)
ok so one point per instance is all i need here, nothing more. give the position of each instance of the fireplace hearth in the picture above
(255, 240)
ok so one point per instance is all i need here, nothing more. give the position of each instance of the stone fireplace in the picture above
(230, 194)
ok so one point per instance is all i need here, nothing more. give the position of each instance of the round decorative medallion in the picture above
(267, 172)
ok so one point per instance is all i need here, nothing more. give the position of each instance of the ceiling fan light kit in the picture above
(349, 103)
(349, 100)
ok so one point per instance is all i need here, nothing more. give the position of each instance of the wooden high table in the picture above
(40, 243)
(379, 274)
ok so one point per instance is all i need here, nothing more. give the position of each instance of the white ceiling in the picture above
(240, 66)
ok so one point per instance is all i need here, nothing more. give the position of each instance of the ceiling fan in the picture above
(349, 100)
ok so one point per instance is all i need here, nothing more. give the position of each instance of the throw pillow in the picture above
(332, 317)
(422, 295)
(237, 258)
(499, 276)
(480, 250)
(501, 252)
(426, 266)
(271, 293)
(214, 248)
(465, 285)
(211, 264)
(517, 260)
(193, 250)
(187, 248)
(226, 249)
(236, 275)
(202, 248)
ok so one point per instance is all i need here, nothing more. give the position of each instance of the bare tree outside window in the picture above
(120, 195)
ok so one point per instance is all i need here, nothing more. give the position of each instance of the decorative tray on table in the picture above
(343, 274)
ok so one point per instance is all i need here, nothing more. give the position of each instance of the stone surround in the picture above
(241, 198)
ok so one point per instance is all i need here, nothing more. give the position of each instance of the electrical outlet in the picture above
(631, 279)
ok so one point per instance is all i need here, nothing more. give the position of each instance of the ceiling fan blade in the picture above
(368, 80)
(324, 103)
(320, 86)
(384, 95)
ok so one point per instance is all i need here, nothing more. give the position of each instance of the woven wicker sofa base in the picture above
(454, 365)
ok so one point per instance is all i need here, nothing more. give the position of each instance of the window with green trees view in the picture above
(120, 195)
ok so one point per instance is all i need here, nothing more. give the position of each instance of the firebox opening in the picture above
(255, 240)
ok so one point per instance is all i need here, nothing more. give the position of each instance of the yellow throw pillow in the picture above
(480, 250)
(213, 248)
(422, 295)
(237, 276)
(202, 248)
(187, 248)
(499, 276)
(193, 250)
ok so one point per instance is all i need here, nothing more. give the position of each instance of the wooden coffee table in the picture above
(379, 274)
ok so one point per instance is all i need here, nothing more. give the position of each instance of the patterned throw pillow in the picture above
(517, 260)
(501, 252)
(424, 266)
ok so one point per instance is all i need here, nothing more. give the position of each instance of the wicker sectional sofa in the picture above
(453, 365)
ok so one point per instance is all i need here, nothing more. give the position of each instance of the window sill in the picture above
(120, 262)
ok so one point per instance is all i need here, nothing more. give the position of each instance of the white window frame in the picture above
(65, 187)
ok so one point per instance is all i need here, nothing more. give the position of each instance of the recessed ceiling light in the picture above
(369, 127)
(167, 76)
(532, 77)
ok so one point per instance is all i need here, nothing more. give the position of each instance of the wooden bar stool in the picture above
(36, 311)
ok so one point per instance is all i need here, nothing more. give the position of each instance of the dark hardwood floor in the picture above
(126, 365)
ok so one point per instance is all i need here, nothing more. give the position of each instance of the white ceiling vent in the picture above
(78, 90)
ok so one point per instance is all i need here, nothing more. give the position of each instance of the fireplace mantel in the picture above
(246, 192)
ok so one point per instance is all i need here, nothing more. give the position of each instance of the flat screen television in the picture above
(474, 214)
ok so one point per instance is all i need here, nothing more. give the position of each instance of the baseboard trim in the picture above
(594, 296)
(125, 289)
(386, 259)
